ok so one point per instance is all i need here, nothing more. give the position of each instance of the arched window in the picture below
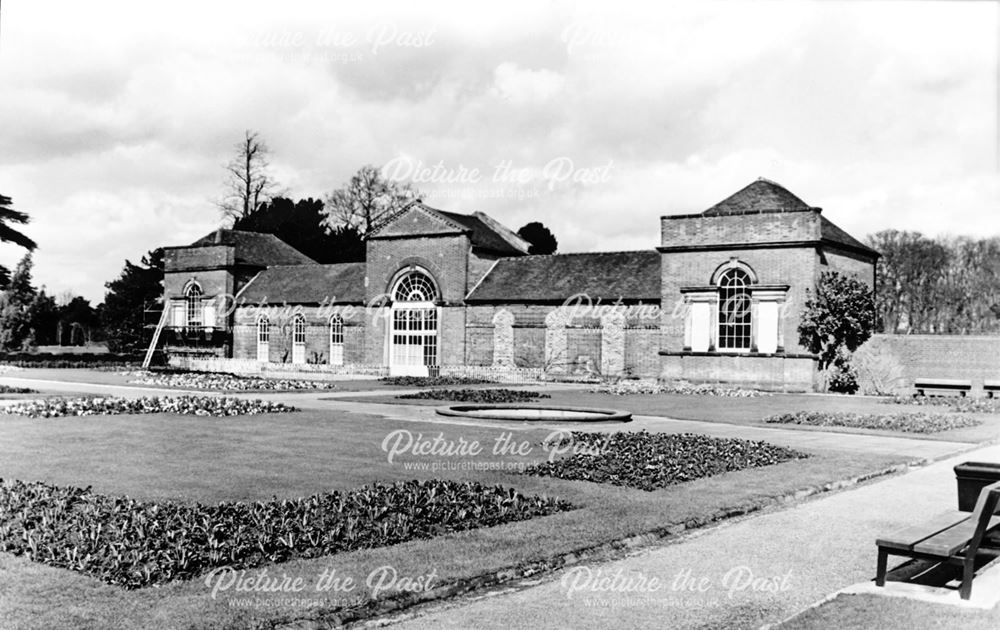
(299, 328)
(734, 310)
(336, 340)
(415, 286)
(263, 338)
(194, 306)
(299, 338)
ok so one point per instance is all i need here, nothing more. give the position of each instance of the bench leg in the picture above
(883, 560)
(968, 572)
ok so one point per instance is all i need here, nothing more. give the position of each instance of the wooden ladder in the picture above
(156, 337)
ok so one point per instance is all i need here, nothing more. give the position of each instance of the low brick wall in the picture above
(967, 357)
(772, 372)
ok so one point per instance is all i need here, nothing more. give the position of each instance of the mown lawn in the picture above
(190, 458)
(751, 411)
(891, 613)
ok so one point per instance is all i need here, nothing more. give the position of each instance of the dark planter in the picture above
(971, 478)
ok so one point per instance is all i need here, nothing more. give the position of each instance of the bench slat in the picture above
(905, 538)
(941, 383)
(953, 540)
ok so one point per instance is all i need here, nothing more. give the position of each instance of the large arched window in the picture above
(194, 307)
(415, 286)
(734, 310)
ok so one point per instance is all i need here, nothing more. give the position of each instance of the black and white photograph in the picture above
(678, 315)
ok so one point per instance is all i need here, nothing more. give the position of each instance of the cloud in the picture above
(116, 119)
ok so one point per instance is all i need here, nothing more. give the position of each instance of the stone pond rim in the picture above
(537, 413)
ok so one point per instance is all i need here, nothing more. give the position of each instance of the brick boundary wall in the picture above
(967, 357)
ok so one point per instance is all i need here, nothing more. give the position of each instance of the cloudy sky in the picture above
(116, 119)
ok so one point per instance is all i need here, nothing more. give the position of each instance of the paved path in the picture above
(794, 556)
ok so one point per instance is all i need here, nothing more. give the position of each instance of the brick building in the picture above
(718, 300)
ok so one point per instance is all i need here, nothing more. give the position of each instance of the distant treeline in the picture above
(944, 285)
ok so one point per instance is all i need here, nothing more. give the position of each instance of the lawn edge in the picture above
(379, 613)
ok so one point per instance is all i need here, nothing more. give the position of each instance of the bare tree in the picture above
(367, 201)
(249, 183)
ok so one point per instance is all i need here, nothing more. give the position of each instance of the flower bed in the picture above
(7, 389)
(134, 544)
(961, 404)
(223, 382)
(646, 386)
(919, 422)
(650, 461)
(187, 405)
(493, 396)
(432, 381)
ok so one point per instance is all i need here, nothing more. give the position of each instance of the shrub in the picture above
(840, 376)
(431, 381)
(880, 373)
(186, 405)
(650, 461)
(494, 396)
(50, 360)
(648, 386)
(223, 382)
(134, 544)
(907, 422)
(7, 389)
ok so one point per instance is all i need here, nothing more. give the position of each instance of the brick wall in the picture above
(768, 373)
(796, 267)
(847, 263)
(213, 283)
(748, 228)
(967, 357)
(317, 333)
(195, 258)
(529, 346)
(583, 344)
(445, 257)
(642, 346)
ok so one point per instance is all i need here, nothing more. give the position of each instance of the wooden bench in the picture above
(953, 537)
(922, 385)
(991, 387)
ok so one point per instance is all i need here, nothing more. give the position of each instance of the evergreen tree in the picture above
(121, 315)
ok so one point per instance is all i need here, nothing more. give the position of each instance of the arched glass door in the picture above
(413, 325)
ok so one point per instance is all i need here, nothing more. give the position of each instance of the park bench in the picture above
(991, 387)
(923, 385)
(955, 538)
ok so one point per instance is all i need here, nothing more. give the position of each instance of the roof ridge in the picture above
(651, 250)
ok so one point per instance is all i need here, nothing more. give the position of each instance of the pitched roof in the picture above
(609, 276)
(758, 197)
(256, 248)
(832, 233)
(484, 231)
(488, 234)
(343, 283)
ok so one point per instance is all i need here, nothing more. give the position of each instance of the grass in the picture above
(890, 613)
(749, 411)
(186, 458)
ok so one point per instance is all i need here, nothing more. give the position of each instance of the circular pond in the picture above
(535, 413)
